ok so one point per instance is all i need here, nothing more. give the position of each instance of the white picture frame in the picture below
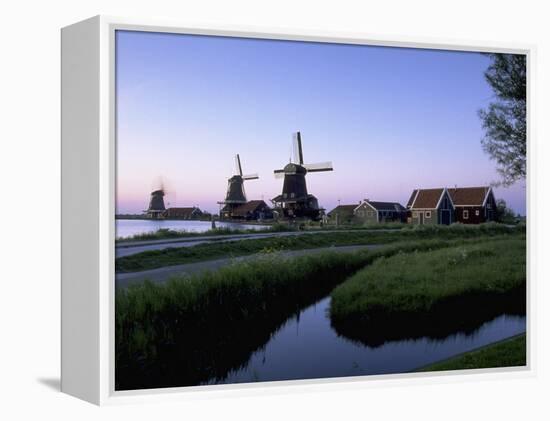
(88, 210)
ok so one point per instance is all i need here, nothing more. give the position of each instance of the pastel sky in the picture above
(390, 119)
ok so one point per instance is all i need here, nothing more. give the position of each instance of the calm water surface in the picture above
(307, 347)
(129, 227)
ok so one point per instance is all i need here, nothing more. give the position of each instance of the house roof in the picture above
(343, 208)
(411, 199)
(469, 196)
(425, 198)
(386, 206)
(247, 207)
(183, 211)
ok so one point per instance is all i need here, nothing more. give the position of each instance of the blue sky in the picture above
(390, 119)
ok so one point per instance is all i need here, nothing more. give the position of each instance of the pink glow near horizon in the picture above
(186, 105)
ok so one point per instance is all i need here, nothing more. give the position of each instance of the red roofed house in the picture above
(431, 206)
(473, 205)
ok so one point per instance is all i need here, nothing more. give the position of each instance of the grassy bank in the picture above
(179, 255)
(432, 293)
(164, 233)
(200, 327)
(507, 353)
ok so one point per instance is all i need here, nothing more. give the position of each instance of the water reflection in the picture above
(307, 347)
(289, 339)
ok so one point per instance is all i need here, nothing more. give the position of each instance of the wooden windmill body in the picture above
(156, 207)
(295, 201)
(235, 195)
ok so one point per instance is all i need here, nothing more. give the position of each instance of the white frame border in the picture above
(107, 394)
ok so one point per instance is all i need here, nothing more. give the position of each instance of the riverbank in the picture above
(235, 248)
(217, 319)
(129, 230)
(236, 227)
(511, 352)
(426, 293)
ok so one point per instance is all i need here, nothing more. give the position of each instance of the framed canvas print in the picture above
(264, 209)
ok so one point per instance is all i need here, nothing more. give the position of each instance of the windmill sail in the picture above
(297, 146)
(238, 168)
(323, 166)
(235, 184)
(279, 173)
(251, 176)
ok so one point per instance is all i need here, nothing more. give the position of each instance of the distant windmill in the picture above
(160, 188)
(295, 200)
(236, 195)
(156, 204)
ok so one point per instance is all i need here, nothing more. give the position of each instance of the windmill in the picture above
(160, 188)
(156, 207)
(295, 201)
(235, 195)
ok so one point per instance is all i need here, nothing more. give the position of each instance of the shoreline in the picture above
(232, 221)
(433, 367)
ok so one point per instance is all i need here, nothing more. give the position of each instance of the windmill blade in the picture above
(323, 166)
(297, 144)
(251, 177)
(279, 173)
(238, 167)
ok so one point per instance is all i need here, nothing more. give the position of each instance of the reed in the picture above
(196, 328)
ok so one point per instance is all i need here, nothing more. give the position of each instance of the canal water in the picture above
(307, 347)
(130, 227)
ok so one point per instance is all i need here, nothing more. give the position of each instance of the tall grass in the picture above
(179, 255)
(203, 326)
(200, 327)
(431, 292)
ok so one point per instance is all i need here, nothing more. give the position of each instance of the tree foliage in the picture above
(504, 214)
(504, 120)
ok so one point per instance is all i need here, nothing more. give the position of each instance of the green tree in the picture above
(504, 214)
(504, 120)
